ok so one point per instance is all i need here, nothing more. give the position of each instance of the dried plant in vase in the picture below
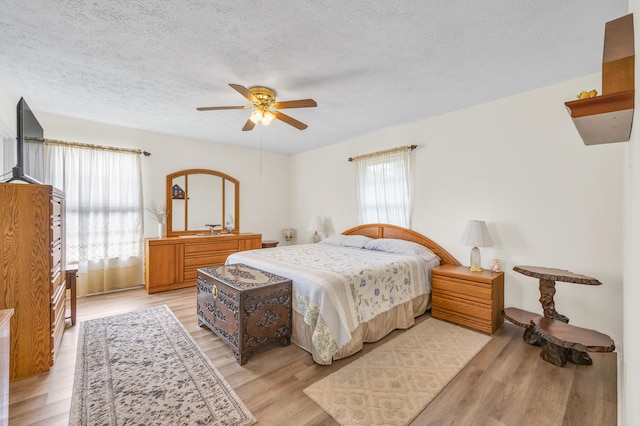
(159, 213)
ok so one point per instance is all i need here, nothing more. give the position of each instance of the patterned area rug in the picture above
(392, 384)
(143, 368)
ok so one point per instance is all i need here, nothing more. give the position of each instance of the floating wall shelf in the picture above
(608, 118)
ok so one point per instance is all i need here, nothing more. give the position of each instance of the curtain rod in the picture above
(103, 147)
(410, 147)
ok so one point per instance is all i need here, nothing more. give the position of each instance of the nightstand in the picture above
(471, 299)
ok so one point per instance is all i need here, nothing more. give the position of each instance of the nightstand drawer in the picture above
(454, 317)
(481, 311)
(479, 292)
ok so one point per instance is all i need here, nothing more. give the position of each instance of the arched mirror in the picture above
(197, 198)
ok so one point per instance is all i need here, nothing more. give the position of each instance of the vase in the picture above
(162, 230)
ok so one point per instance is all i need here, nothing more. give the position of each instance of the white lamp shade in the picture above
(476, 234)
(316, 225)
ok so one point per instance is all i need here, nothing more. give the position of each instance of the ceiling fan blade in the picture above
(245, 92)
(248, 126)
(289, 120)
(300, 103)
(222, 107)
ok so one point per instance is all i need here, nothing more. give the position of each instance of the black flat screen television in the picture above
(30, 149)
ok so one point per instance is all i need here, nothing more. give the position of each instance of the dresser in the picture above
(471, 299)
(173, 262)
(32, 274)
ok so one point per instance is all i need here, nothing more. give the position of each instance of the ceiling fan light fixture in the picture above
(256, 116)
(265, 109)
(268, 117)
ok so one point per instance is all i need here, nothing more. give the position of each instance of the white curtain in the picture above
(104, 214)
(384, 187)
(7, 155)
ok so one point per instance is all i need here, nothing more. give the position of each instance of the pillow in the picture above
(392, 245)
(357, 241)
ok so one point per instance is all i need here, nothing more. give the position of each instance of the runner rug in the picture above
(143, 367)
(392, 384)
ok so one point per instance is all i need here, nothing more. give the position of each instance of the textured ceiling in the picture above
(368, 64)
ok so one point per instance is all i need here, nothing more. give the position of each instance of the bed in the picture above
(354, 287)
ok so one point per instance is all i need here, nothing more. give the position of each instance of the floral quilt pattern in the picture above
(338, 288)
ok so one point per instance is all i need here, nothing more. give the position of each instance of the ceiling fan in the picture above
(265, 108)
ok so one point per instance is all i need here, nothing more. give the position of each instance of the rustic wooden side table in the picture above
(560, 341)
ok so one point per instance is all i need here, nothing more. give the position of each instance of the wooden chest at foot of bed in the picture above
(248, 308)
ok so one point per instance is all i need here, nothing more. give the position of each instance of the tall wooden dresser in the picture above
(32, 278)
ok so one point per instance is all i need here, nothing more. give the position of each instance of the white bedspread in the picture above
(337, 288)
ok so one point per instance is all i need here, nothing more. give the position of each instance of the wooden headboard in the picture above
(380, 230)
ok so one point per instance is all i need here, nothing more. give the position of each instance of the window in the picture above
(104, 213)
(384, 187)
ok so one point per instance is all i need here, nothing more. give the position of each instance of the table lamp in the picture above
(289, 233)
(476, 235)
(316, 227)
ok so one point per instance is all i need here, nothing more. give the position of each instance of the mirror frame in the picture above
(225, 177)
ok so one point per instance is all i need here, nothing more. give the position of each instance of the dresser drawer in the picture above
(57, 332)
(56, 208)
(58, 303)
(56, 258)
(208, 247)
(58, 310)
(56, 269)
(204, 260)
(56, 235)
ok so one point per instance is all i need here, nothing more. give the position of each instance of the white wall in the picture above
(519, 164)
(629, 371)
(264, 188)
(7, 114)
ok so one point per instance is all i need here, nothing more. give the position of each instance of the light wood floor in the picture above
(505, 384)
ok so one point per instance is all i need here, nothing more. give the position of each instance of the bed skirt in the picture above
(401, 317)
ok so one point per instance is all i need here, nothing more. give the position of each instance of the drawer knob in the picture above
(214, 291)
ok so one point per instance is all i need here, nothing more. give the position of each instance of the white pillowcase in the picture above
(393, 245)
(358, 241)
